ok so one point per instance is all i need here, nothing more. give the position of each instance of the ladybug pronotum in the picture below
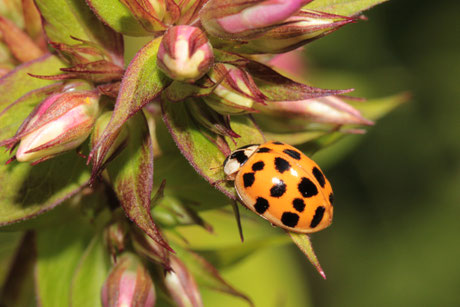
(281, 184)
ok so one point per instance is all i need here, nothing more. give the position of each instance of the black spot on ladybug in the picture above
(292, 153)
(240, 156)
(299, 204)
(319, 213)
(331, 198)
(258, 166)
(307, 188)
(290, 219)
(263, 149)
(282, 165)
(247, 146)
(278, 189)
(319, 176)
(261, 205)
(248, 179)
(277, 143)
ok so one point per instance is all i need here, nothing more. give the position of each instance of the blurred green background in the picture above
(395, 236)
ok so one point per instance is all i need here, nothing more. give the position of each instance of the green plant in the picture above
(207, 81)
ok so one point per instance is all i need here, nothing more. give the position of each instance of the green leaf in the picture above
(225, 257)
(204, 155)
(64, 19)
(141, 83)
(342, 7)
(304, 244)
(279, 88)
(117, 16)
(59, 252)
(18, 83)
(132, 176)
(90, 275)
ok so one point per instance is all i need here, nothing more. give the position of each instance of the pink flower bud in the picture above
(242, 19)
(181, 285)
(294, 32)
(115, 235)
(185, 53)
(236, 91)
(329, 109)
(128, 284)
(61, 122)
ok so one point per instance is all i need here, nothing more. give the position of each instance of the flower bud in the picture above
(115, 236)
(181, 285)
(61, 122)
(242, 19)
(236, 91)
(294, 32)
(128, 284)
(99, 128)
(185, 53)
(329, 109)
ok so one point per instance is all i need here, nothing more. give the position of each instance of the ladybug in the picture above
(281, 184)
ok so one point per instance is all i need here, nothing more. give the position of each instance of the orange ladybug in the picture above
(281, 184)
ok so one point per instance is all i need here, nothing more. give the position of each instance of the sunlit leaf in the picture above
(90, 275)
(131, 174)
(118, 17)
(17, 82)
(342, 7)
(59, 252)
(225, 257)
(65, 20)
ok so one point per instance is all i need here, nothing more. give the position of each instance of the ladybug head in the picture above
(237, 158)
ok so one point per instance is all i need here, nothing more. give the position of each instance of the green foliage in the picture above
(142, 83)
(187, 149)
(90, 275)
(65, 20)
(132, 176)
(18, 83)
(204, 155)
(118, 17)
(59, 253)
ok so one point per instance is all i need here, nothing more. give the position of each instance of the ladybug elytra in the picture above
(281, 184)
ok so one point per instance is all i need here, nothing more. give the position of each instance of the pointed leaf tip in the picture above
(303, 242)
